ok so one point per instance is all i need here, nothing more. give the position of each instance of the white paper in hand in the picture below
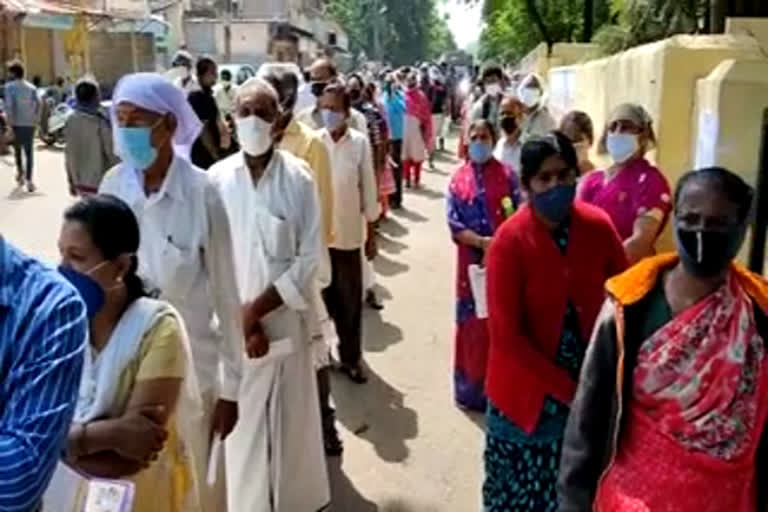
(109, 496)
(477, 284)
(213, 461)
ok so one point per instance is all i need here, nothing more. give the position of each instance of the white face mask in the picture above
(530, 96)
(254, 134)
(493, 89)
(621, 146)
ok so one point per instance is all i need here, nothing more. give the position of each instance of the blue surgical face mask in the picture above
(332, 120)
(621, 146)
(90, 291)
(480, 152)
(555, 204)
(135, 145)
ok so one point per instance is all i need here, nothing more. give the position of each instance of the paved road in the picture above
(408, 449)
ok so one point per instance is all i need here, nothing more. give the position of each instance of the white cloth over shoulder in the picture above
(153, 92)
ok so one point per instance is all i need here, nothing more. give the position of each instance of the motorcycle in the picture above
(54, 119)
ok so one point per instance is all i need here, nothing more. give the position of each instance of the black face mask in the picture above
(318, 88)
(706, 252)
(509, 124)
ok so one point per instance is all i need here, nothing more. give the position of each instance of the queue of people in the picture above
(605, 386)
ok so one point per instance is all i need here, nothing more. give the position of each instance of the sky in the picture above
(464, 21)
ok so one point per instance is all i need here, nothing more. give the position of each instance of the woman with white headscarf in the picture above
(185, 254)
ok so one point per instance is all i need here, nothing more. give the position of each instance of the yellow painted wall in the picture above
(563, 54)
(661, 76)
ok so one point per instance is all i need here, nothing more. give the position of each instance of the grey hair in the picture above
(257, 85)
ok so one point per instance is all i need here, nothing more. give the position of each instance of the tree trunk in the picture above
(535, 15)
(718, 12)
(589, 20)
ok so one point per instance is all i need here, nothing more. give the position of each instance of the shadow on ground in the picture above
(427, 192)
(390, 245)
(376, 413)
(388, 267)
(344, 496)
(409, 215)
(393, 228)
(379, 334)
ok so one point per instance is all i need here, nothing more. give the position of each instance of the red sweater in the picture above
(529, 285)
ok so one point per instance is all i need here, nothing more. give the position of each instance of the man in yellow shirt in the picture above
(303, 142)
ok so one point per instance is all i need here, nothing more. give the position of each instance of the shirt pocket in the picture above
(278, 238)
(181, 266)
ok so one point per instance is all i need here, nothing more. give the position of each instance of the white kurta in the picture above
(275, 460)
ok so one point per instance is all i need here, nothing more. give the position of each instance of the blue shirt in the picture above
(396, 109)
(22, 103)
(43, 333)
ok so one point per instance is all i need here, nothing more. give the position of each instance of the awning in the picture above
(48, 7)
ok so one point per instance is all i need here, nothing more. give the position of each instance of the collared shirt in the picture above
(22, 103)
(225, 98)
(396, 111)
(186, 253)
(43, 333)
(314, 119)
(354, 188)
(278, 224)
(508, 154)
(302, 142)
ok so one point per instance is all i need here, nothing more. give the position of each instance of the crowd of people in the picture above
(215, 267)
(611, 378)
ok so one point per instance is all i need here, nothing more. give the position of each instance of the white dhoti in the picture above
(275, 460)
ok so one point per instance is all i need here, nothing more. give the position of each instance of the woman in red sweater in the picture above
(546, 269)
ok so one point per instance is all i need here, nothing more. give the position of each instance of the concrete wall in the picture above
(111, 55)
(249, 40)
(662, 76)
(540, 61)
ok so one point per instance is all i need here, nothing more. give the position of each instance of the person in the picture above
(417, 131)
(181, 72)
(298, 140)
(546, 270)
(186, 242)
(88, 154)
(538, 120)
(577, 126)
(508, 148)
(139, 408)
(634, 193)
(22, 110)
(481, 195)
(284, 44)
(394, 101)
(43, 328)
(439, 100)
(354, 192)
(487, 105)
(322, 72)
(275, 454)
(208, 147)
(676, 372)
(224, 93)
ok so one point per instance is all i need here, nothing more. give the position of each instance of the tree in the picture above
(393, 30)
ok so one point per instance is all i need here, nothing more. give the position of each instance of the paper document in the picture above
(71, 491)
(213, 460)
(477, 284)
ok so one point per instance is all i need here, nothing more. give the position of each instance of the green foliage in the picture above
(394, 30)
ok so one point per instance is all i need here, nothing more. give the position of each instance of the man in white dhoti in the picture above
(275, 459)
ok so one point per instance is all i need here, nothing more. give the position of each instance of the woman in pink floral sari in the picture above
(634, 193)
(417, 137)
(676, 377)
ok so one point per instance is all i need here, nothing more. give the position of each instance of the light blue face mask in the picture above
(480, 152)
(135, 144)
(331, 119)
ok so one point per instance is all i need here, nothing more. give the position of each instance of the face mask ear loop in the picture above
(699, 248)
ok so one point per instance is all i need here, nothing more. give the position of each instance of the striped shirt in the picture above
(43, 332)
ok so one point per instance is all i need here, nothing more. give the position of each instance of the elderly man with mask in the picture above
(186, 246)
(302, 142)
(537, 119)
(275, 459)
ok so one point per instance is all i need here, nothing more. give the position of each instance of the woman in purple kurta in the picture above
(634, 193)
(482, 193)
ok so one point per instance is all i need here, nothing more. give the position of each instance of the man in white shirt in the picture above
(275, 460)
(186, 246)
(355, 200)
(224, 93)
(321, 73)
